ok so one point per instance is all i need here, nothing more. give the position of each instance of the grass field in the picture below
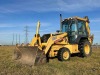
(76, 65)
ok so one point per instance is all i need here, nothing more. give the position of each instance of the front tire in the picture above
(63, 54)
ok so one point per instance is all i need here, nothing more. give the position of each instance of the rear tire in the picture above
(85, 48)
(63, 54)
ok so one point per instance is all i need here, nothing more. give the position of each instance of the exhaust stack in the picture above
(60, 22)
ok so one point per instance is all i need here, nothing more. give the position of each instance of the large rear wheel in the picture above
(63, 54)
(85, 48)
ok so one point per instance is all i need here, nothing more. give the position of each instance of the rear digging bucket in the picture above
(29, 55)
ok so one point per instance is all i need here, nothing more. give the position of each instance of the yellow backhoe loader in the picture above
(73, 37)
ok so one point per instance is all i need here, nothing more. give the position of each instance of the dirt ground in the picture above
(76, 65)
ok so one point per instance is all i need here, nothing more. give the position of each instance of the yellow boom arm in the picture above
(36, 40)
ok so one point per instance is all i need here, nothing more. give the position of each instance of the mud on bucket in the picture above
(29, 55)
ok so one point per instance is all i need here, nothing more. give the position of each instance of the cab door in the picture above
(81, 28)
(73, 33)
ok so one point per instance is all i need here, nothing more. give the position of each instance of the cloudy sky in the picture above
(16, 14)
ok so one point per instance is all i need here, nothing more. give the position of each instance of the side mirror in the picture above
(58, 31)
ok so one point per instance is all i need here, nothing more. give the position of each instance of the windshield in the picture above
(69, 25)
(65, 27)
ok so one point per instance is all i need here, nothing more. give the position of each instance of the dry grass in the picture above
(76, 66)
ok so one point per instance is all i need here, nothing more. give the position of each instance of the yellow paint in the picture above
(57, 41)
(38, 27)
(83, 19)
(55, 48)
(65, 55)
(87, 49)
(87, 28)
(36, 37)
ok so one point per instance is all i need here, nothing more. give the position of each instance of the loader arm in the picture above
(55, 39)
(49, 43)
(36, 40)
(31, 54)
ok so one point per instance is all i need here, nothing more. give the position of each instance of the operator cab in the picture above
(75, 28)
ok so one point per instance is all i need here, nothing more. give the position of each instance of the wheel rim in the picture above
(65, 55)
(87, 49)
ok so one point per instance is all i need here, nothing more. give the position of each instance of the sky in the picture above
(16, 14)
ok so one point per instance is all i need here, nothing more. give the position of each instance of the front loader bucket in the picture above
(29, 55)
